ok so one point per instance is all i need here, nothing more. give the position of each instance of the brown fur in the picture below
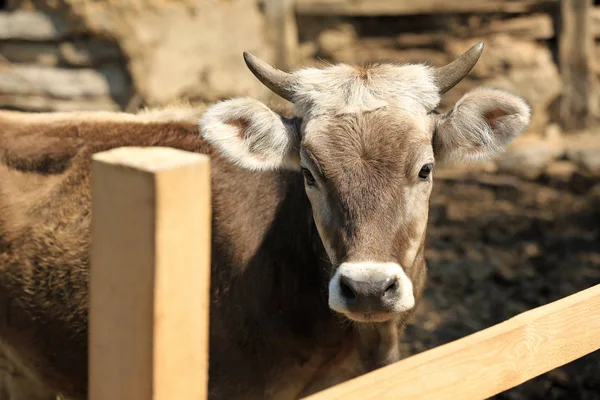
(44, 245)
(366, 162)
(242, 124)
(363, 72)
(272, 333)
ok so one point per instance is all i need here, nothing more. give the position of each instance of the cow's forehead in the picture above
(341, 89)
(368, 146)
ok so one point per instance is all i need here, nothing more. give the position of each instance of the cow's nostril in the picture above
(347, 290)
(391, 286)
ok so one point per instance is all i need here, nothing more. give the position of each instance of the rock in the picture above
(434, 320)
(63, 83)
(584, 151)
(544, 196)
(502, 53)
(180, 48)
(175, 48)
(589, 159)
(531, 249)
(595, 197)
(456, 212)
(552, 131)
(306, 51)
(529, 155)
(462, 169)
(372, 50)
(561, 171)
(523, 67)
(45, 54)
(481, 271)
(37, 88)
(537, 26)
(32, 25)
(335, 38)
(505, 273)
(89, 53)
(559, 376)
(78, 53)
(558, 170)
(43, 103)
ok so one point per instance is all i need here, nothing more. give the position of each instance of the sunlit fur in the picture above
(341, 89)
(482, 123)
(364, 132)
(251, 135)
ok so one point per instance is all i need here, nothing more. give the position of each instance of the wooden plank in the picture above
(387, 7)
(597, 55)
(22, 24)
(490, 361)
(595, 15)
(149, 291)
(280, 19)
(579, 106)
(529, 27)
(534, 27)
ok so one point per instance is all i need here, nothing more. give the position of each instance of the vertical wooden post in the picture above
(280, 16)
(579, 106)
(149, 290)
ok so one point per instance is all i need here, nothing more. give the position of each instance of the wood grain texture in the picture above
(529, 27)
(282, 31)
(150, 276)
(409, 7)
(490, 361)
(579, 106)
(595, 16)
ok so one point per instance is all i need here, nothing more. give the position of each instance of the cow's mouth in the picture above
(369, 316)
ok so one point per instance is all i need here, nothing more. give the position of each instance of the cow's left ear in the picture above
(481, 124)
(251, 135)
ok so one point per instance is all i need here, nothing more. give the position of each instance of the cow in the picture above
(318, 218)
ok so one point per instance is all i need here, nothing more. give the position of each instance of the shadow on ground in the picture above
(499, 246)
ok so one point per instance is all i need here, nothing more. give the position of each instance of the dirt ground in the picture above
(499, 246)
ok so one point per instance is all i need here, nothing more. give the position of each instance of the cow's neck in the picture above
(268, 257)
(277, 291)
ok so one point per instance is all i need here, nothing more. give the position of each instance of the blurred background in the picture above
(505, 236)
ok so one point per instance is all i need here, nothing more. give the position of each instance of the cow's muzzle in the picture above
(370, 291)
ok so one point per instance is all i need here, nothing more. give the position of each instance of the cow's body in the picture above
(318, 221)
(264, 346)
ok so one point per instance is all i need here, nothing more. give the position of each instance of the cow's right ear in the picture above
(251, 135)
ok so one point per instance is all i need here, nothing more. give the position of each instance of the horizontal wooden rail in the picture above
(490, 361)
(411, 7)
(150, 275)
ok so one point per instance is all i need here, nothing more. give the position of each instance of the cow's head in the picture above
(366, 140)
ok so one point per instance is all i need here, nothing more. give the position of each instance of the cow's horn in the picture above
(448, 76)
(279, 82)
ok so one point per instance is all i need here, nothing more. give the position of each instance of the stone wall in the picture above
(518, 53)
(520, 56)
(48, 65)
(87, 54)
(123, 54)
(113, 54)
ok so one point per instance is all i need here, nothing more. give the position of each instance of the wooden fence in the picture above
(577, 25)
(150, 277)
(150, 301)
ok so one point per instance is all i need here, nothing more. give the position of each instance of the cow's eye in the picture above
(308, 177)
(425, 171)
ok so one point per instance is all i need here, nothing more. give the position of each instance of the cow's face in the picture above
(366, 141)
(368, 176)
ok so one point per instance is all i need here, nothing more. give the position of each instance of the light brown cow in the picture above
(318, 221)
